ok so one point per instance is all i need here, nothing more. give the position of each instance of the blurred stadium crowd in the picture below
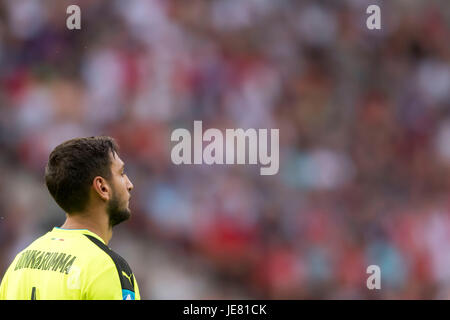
(364, 119)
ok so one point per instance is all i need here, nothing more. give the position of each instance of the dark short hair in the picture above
(73, 165)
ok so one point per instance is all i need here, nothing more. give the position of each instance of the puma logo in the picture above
(128, 277)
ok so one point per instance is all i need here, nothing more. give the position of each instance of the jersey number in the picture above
(33, 293)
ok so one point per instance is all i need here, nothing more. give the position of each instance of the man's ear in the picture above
(101, 187)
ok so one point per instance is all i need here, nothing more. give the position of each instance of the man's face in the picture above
(118, 205)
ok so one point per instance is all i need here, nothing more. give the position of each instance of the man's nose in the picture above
(130, 185)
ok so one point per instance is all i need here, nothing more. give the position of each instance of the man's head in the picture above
(84, 171)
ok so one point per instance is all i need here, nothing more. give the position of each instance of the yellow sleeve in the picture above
(5, 280)
(3, 286)
(136, 289)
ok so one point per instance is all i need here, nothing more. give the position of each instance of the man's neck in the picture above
(96, 224)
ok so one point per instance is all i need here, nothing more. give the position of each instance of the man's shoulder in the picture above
(84, 246)
(120, 265)
(113, 257)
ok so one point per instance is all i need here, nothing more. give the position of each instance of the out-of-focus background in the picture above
(364, 119)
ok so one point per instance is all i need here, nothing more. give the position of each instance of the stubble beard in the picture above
(115, 212)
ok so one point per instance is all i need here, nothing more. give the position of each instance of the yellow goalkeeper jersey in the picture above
(68, 264)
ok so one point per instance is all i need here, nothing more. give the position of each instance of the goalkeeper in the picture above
(86, 178)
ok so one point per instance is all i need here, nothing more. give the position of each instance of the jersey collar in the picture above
(80, 231)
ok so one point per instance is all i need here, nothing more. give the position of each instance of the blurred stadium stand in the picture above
(364, 120)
